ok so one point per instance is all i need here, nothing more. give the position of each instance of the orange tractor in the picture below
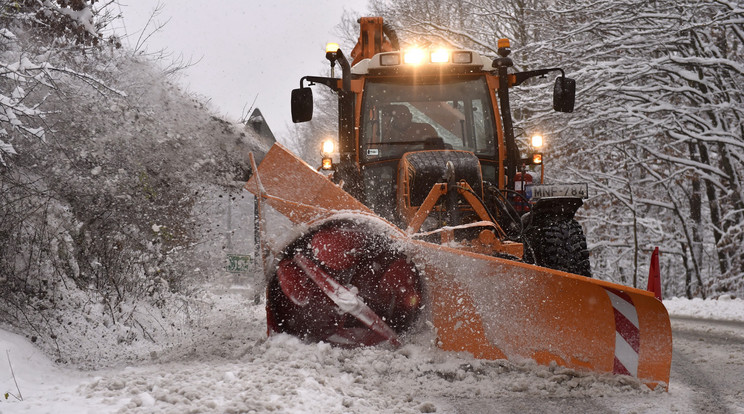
(416, 227)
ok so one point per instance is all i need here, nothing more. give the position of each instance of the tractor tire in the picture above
(560, 245)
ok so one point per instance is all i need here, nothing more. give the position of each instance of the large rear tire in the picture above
(560, 245)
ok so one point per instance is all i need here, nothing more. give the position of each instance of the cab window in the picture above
(398, 117)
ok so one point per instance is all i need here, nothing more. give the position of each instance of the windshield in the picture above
(397, 118)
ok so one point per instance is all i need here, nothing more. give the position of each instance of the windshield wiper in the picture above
(431, 142)
(397, 143)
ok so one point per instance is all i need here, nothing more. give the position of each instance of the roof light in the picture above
(504, 48)
(462, 57)
(392, 59)
(332, 55)
(413, 57)
(537, 141)
(439, 56)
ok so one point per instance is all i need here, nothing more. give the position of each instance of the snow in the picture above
(725, 308)
(229, 365)
(83, 17)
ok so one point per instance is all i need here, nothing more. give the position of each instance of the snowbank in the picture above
(724, 308)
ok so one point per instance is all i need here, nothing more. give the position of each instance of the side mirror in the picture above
(564, 94)
(302, 105)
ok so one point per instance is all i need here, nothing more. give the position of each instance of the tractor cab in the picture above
(426, 141)
(401, 115)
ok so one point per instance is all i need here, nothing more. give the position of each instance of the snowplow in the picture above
(422, 220)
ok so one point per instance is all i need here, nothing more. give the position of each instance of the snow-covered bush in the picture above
(106, 169)
(33, 34)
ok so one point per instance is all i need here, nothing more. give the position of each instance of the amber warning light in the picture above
(327, 152)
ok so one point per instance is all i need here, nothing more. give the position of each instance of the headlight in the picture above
(413, 57)
(462, 57)
(439, 56)
(331, 52)
(537, 141)
(328, 148)
(391, 59)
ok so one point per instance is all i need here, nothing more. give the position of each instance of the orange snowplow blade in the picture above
(296, 190)
(495, 308)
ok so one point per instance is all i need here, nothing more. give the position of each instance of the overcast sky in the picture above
(246, 49)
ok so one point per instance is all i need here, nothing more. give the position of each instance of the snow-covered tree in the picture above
(661, 87)
(657, 130)
(27, 76)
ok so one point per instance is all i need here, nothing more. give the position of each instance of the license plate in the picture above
(580, 190)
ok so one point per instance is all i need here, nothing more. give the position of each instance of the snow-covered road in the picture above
(708, 363)
(706, 377)
(230, 367)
